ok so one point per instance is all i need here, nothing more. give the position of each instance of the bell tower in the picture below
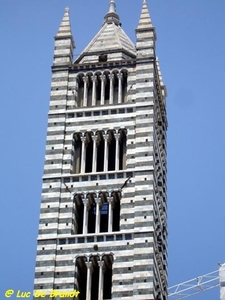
(103, 219)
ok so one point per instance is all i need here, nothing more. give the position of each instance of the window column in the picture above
(85, 79)
(94, 80)
(98, 215)
(85, 216)
(101, 280)
(83, 154)
(94, 160)
(89, 277)
(111, 92)
(117, 136)
(103, 78)
(106, 152)
(120, 77)
(110, 216)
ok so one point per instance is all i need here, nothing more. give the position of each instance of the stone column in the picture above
(120, 76)
(110, 215)
(111, 93)
(85, 79)
(94, 158)
(102, 89)
(89, 275)
(117, 136)
(106, 153)
(98, 215)
(85, 216)
(94, 80)
(101, 280)
(83, 154)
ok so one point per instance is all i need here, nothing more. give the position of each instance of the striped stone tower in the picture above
(103, 219)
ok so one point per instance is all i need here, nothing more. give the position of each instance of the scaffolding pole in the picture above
(222, 282)
(195, 286)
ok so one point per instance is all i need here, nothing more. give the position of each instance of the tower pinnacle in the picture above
(63, 55)
(145, 19)
(65, 28)
(145, 34)
(112, 6)
(112, 16)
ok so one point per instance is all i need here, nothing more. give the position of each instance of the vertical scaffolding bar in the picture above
(222, 282)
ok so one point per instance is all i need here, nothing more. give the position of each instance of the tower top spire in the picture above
(112, 6)
(112, 16)
(63, 55)
(145, 34)
(145, 19)
(65, 28)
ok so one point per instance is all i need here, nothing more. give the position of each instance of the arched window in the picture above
(98, 90)
(89, 91)
(104, 213)
(94, 275)
(124, 87)
(79, 212)
(116, 211)
(91, 213)
(112, 151)
(89, 153)
(81, 277)
(80, 90)
(97, 212)
(77, 154)
(101, 88)
(100, 152)
(122, 149)
(107, 90)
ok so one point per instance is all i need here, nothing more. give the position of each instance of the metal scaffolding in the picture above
(196, 285)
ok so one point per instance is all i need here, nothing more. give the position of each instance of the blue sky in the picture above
(191, 49)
